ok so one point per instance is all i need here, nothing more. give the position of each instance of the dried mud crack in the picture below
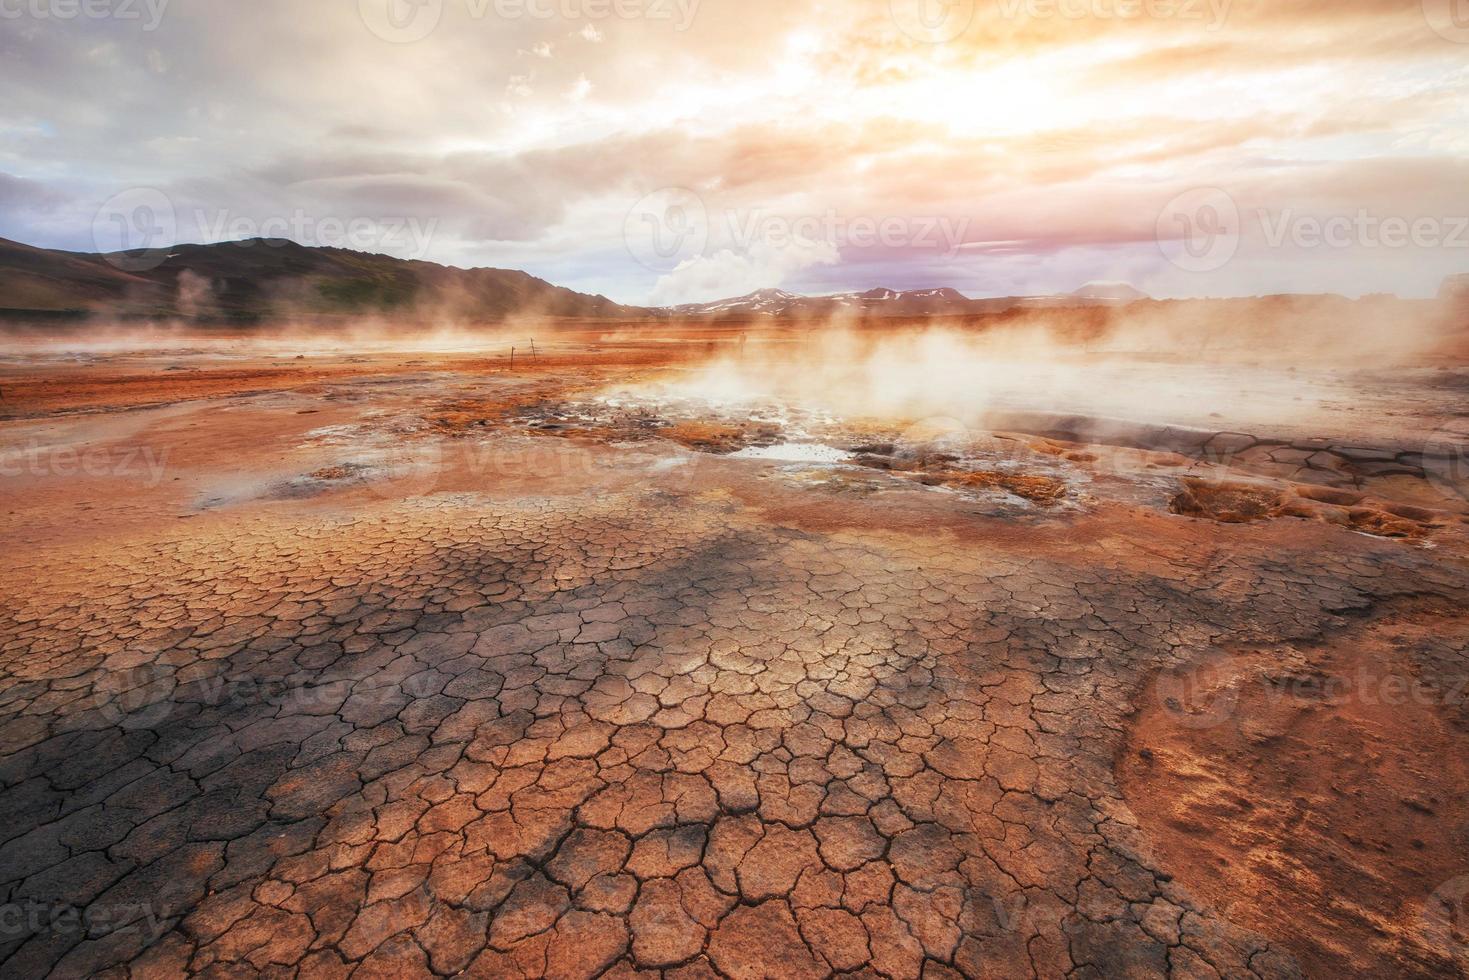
(559, 741)
(624, 709)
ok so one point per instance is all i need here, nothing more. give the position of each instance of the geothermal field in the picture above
(734, 490)
(747, 650)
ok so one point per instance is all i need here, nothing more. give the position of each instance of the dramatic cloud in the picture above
(727, 272)
(1194, 147)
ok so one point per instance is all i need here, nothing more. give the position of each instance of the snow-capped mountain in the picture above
(879, 302)
(762, 302)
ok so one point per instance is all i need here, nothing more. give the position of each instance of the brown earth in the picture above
(408, 664)
(1321, 790)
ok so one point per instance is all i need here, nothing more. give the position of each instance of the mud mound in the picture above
(1228, 503)
(1036, 489)
(335, 474)
(460, 416)
(1320, 796)
(716, 437)
(934, 469)
(1244, 503)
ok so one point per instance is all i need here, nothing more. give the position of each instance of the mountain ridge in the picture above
(257, 279)
(261, 279)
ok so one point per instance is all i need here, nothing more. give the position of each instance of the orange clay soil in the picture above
(242, 364)
(1319, 792)
(342, 666)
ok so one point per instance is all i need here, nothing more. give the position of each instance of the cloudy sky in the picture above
(675, 150)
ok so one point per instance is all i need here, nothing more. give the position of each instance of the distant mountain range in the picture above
(265, 279)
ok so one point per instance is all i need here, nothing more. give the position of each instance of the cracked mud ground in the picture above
(708, 723)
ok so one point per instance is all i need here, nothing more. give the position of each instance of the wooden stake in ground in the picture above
(512, 358)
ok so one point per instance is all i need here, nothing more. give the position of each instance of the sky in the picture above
(667, 151)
